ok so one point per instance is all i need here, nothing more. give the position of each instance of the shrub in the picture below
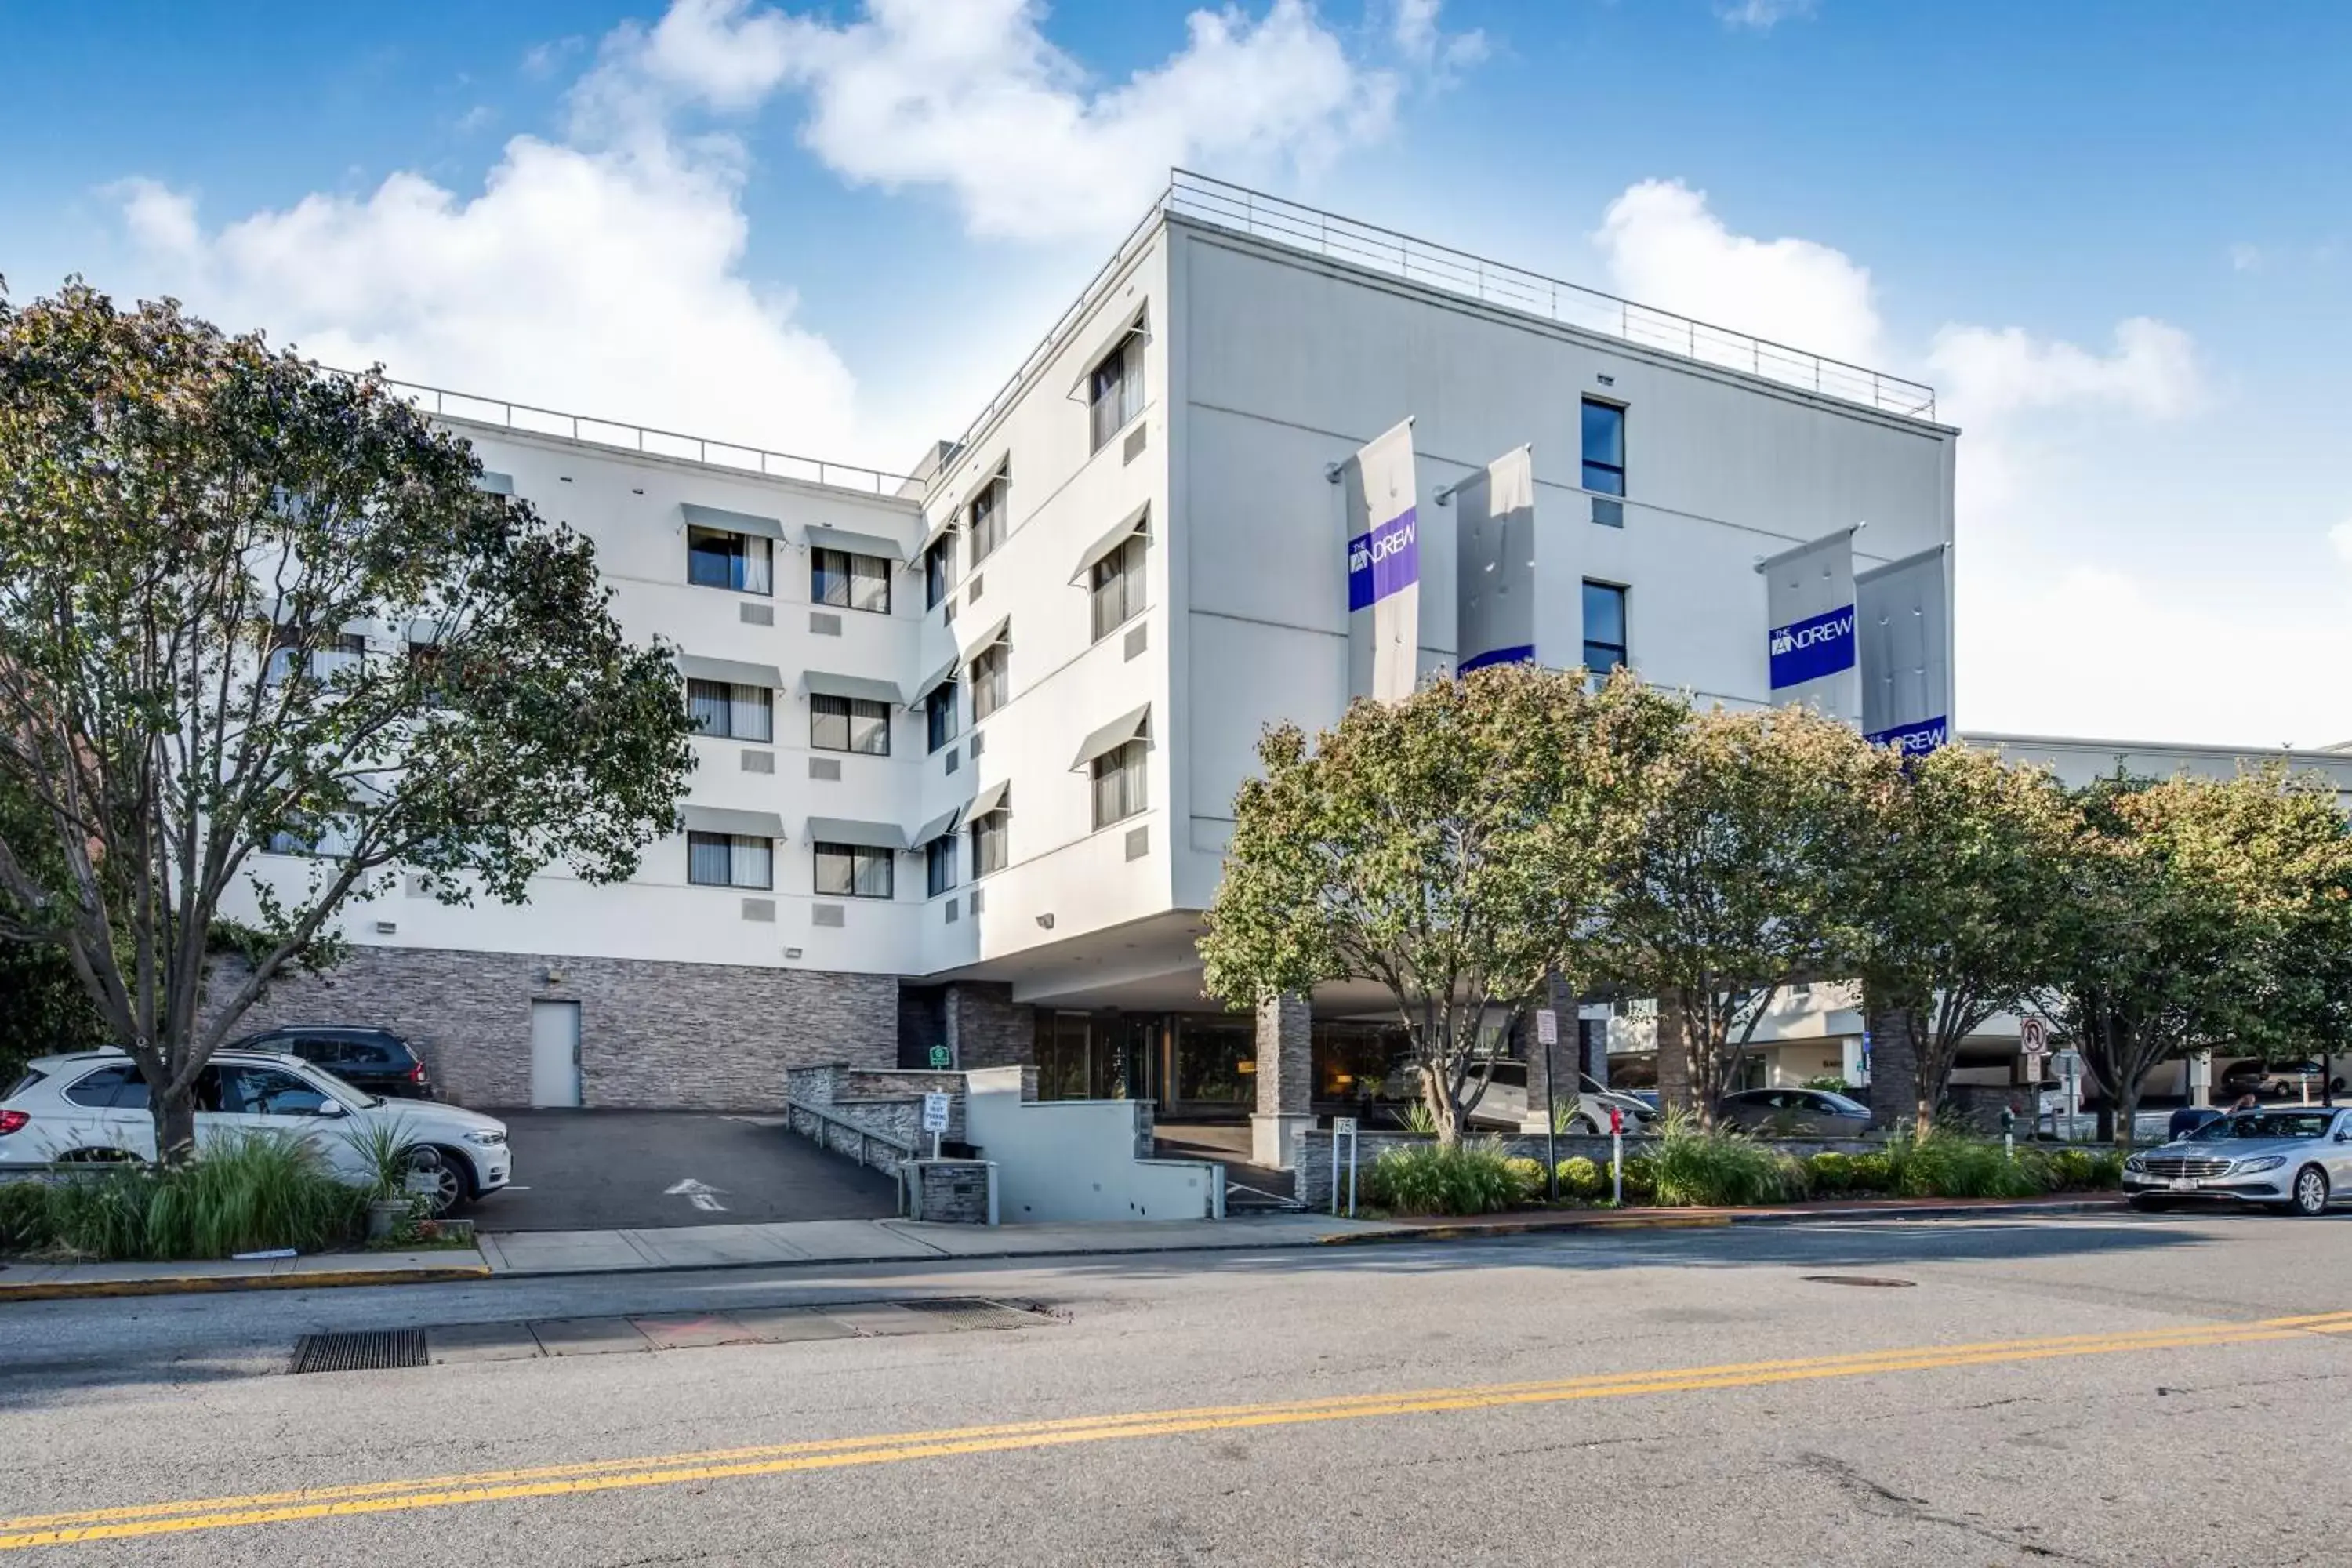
(1640, 1178)
(1530, 1174)
(24, 1216)
(1581, 1178)
(1830, 1172)
(1428, 1178)
(2073, 1168)
(246, 1195)
(1946, 1165)
(1721, 1169)
(1872, 1173)
(2107, 1169)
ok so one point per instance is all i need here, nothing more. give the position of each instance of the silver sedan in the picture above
(2297, 1160)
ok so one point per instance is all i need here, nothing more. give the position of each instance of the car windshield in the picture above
(343, 1090)
(2266, 1124)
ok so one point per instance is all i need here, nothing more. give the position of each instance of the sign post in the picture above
(1343, 1129)
(1548, 1037)
(935, 1119)
(1617, 1156)
(942, 1060)
(2068, 1064)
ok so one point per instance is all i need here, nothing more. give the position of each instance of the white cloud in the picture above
(1763, 15)
(2340, 538)
(2245, 258)
(1421, 41)
(1664, 247)
(2152, 372)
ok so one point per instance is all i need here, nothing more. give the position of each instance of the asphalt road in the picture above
(2117, 1390)
(634, 1170)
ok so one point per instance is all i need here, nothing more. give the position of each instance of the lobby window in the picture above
(940, 715)
(940, 570)
(1115, 389)
(853, 871)
(716, 559)
(850, 725)
(849, 582)
(1118, 782)
(1604, 627)
(730, 860)
(731, 712)
(989, 682)
(939, 865)
(1117, 586)
(985, 518)
(1604, 459)
(989, 843)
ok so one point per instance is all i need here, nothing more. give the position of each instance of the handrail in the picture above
(646, 439)
(866, 1136)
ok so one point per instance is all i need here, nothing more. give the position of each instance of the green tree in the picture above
(1739, 882)
(43, 1008)
(246, 603)
(1959, 898)
(1452, 848)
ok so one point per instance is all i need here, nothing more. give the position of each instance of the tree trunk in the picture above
(1438, 1095)
(2126, 1100)
(1674, 1055)
(175, 1127)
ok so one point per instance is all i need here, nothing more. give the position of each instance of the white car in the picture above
(93, 1106)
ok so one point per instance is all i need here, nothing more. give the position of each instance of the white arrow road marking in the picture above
(700, 1196)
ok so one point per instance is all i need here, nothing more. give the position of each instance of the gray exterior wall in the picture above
(987, 1027)
(653, 1035)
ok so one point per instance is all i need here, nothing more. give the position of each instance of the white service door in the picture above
(554, 1053)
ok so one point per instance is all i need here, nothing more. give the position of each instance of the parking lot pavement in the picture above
(636, 1170)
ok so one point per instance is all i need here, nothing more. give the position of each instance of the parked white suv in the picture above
(93, 1106)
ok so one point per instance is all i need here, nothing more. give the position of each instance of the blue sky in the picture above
(2117, 237)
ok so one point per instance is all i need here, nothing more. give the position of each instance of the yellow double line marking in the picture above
(669, 1470)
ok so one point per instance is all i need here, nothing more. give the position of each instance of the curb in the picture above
(200, 1284)
(1667, 1219)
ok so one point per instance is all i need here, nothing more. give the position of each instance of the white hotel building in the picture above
(972, 736)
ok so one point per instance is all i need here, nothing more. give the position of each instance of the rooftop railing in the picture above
(522, 416)
(1223, 205)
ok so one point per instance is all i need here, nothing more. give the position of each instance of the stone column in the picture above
(1286, 1080)
(1894, 1066)
(986, 1028)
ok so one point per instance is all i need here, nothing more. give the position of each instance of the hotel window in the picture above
(985, 518)
(1115, 389)
(939, 570)
(1118, 782)
(716, 559)
(849, 582)
(1605, 461)
(939, 865)
(731, 712)
(988, 680)
(331, 656)
(730, 860)
(850, 725)
(1117, 586)
(940, 715)
(332, 842)
(852, 871)
(989, 843)
(1604, 627)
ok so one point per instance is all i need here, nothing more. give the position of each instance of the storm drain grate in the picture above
(969, 1312)
(1878, 1281)
(376, 1352)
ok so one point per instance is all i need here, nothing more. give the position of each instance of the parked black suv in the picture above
(376, 1060)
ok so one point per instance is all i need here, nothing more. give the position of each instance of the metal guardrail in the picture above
(867, 1139)
(524, 417)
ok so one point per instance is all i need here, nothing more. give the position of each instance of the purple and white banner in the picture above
(1495, 566)
(1383, 568)
(1903, 612)
(1809, 642)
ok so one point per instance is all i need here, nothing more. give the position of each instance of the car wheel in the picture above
(99, 1157)
(447, 1168)
(2310, 1192)
(2147, 1204)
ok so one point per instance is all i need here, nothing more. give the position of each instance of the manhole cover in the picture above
(1878, 1281)
(374, 1352)
(968, 1313)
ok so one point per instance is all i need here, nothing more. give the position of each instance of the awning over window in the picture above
(866, 835)
(938, 827)
(732, 522)
(731, 672)
(946, 525)
(996, 797)
(855, 543)
(989, 639)
(1137, 522)
(741, 824)
(1112, 736)
(931, 682)
(820, 683)
(1135, 328)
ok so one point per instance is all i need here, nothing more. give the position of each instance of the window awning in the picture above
(864, 835)
(823, 538)
(1135, 328)
(996, 797)
(989, 639)
(937, 531)
(820, 683)
(731, 521)
(1112, 736)
(741, 824)
(731, 672)
(1137, 522)
(932, 683)
(938, 827)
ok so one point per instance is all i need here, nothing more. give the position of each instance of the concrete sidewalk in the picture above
(37, 1282)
